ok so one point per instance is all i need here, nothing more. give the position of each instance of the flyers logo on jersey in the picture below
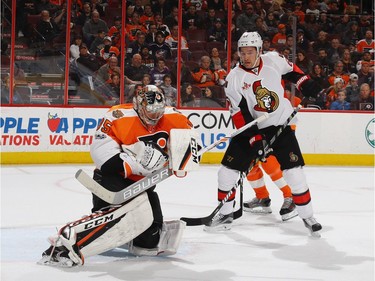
(267, 101)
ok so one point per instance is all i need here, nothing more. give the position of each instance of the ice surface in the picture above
(35, 200)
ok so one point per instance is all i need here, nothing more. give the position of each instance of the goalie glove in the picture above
(146, 157)
(260, 145)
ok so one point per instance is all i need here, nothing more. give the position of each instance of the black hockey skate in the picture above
(313, 226)
(56, 256)
(288, 209)
(259, 206)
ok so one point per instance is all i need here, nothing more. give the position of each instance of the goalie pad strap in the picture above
(103, 231)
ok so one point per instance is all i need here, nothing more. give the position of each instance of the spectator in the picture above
(91, 28)
(319, 76)
(333, 91)
(148, 16)
(366, 57)
(277, 10)
(215, 59)
(353, 35)
(218, 32)
(105, 71)
(134, 90)
(191, 20)
(365, 21)
(96, 5)
(138, 7)
(172, 19)
(203, 75)
(147, 59)
(365, 76)
(188, 99)
(172, 39)
(200, 5)
(261, 27)
(338, 71)
(340, 103)
(302, 42)
(267, 45)
(74, 48)
(136, 46)
(312, 8)
(280, 37)
(45, 5)
(303, 62)
(324, 62)
(5, 92)
(367, 44)
(321, 42)
(352, 90)
(343, 26)
(210, 19)
(136, 69)
(271, 23)
(163, 7)
(115, 32)
(294, 100)
(110, 91)
(146, 79)
(186, 76)
(349, 64)
(298, 12)
(133, 27)
(159, 71)
(85, 15)
(310, 27)
(217, 5)
(366, 101)
(208, 99)
(98, 43)
(259, 10)
(151, 34)
(335, 51)
(325, 23)
(160, 49)
(246, 20)
(221, 73)
(47, 29)
(170, 92)
(160, 26)
(108, 50)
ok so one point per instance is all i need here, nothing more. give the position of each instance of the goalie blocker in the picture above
(107, 229)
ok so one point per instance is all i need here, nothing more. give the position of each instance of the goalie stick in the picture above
(149, 181)
(238, 213)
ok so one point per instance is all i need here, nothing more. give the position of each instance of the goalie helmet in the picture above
(150, 105)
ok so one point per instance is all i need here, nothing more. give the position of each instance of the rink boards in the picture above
(63, 135)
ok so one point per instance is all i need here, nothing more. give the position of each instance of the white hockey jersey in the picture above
(253, 92)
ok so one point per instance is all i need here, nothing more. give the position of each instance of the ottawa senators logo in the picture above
(267, 101)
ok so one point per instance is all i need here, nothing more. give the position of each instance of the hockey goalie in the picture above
(131, 142)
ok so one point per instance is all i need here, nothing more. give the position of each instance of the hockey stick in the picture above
(149, 181)
(238, 213)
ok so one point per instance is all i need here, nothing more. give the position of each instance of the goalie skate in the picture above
(219, 223)
(313, 226)
(288, 209)
(56, 256)
(258, 206)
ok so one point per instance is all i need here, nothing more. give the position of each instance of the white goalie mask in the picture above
(250, 39)
(150, 105)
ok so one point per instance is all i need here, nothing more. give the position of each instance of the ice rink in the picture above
(38, 199)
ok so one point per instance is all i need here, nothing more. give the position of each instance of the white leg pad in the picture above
(170, 238)
(135, 218)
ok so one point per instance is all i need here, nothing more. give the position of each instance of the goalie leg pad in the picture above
(170, 238)
(103, 231)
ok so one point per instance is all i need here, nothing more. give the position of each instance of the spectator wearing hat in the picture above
(246, 20)
(366, 44)
(332, 91)
(218, 32)
(160, 49)
(108, 50)
(340, 103)
(366, 98)
(353, 35)
(352, 90)
(280, 37)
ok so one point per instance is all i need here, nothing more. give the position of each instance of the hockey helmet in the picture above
(150, 105)
(250, 39)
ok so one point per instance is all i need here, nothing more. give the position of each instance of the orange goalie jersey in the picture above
(122, 125)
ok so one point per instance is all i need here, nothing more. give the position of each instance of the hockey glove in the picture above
(260, 145)
(148, 154)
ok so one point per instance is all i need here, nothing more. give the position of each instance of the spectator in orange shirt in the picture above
(280, 37)
(338, 71)
(148, 16)
(108, 50)
(204, 76)
(298, 12)
(134, 26)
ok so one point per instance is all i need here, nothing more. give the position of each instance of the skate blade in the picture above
(258, 210)
(289, 216)
(219, 228)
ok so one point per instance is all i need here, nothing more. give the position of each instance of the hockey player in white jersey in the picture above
(254, 87)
